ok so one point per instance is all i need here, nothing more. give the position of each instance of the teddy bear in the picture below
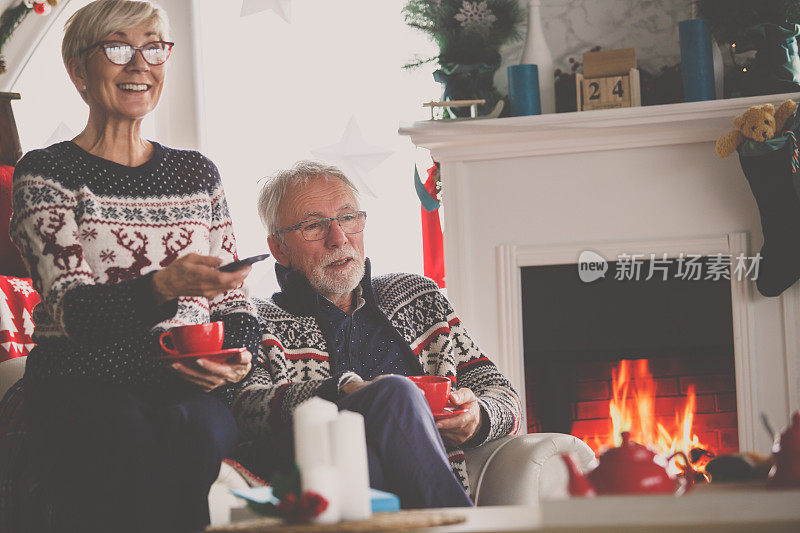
(758, 123)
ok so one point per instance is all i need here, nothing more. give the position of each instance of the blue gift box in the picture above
(382, 502)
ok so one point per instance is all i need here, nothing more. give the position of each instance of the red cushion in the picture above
(17, 300)
(10, 261)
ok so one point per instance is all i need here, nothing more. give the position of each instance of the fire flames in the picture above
(632, 408)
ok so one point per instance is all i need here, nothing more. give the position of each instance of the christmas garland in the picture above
(294, 505)
(13, 17)
(467, 31)
(730, 17)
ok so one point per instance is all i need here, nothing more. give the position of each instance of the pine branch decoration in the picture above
(466, 31)
(12, 17)
(729, 17)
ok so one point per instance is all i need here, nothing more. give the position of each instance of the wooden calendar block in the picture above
(617, 90)
(609, 62)
(610, 79)
(607, 92)
(592, 90)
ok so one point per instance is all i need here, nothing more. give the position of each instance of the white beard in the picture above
(343, 282)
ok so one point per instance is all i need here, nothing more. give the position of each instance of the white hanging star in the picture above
(355, 156)
(61, 133)
(283, 8)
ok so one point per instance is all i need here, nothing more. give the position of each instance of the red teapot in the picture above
(628, 469)
(786, 472)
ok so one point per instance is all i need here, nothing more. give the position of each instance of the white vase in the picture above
(536, 52)
(719, 70)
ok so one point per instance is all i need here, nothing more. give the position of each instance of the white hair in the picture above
(96, 20)
(274, 190)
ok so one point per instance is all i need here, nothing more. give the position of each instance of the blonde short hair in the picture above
(93, 22)
(274, 190)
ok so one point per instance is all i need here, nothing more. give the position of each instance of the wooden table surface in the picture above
(728, 508)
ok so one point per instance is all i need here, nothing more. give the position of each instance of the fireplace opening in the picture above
(576, 334)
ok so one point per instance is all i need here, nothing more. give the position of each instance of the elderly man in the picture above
(336, 332)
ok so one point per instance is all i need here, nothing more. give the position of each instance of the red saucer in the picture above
(450, 411)
(218, 356)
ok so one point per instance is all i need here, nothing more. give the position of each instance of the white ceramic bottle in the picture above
(719, 70)
(536, 52)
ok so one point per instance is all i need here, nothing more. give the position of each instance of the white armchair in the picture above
(522, 469)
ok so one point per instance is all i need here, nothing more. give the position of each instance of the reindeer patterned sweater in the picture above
(91, 233)
(293, 361)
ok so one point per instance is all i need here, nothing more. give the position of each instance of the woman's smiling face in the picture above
(128, 91)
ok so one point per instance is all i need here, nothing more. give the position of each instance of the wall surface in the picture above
(573, 27)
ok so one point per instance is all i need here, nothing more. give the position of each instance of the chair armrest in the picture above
(522, 469)
(220, 499)
(11, 371)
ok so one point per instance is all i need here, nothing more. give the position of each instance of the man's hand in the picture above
(352, 386)
(458, 429)
(195, 275)
(208, 375)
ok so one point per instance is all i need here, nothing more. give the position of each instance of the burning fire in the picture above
(632, 408)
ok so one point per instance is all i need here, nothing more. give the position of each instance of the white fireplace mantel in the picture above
(565, 182)
(609, 129)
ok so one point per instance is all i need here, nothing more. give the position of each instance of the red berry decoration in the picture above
(288, 505)
(308, 506)
(39, 8)
(313, 504)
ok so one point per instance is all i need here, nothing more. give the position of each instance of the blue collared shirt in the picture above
(363, 342)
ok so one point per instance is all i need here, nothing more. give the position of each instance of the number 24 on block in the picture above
(607, 92)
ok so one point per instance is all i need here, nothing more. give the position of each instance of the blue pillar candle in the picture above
(697, 60)
(523, 90)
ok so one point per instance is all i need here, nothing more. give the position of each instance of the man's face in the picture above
(334, 265)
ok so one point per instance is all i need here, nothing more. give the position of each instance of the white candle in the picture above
(312, 445)
(324, 480)
(349, 452)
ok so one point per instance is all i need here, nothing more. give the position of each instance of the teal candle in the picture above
(697, 60)
(523, 90)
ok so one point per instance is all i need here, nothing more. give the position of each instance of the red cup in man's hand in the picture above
(436, 390)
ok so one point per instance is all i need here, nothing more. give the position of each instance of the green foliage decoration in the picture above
(283, 483)
(11, 18)
(729, 17)
(466, 32)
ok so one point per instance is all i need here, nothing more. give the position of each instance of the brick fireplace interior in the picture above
(575, 333)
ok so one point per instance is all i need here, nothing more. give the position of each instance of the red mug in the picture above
(436, 390)
(194, 338)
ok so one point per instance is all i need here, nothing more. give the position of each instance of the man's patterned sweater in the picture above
(293, 361)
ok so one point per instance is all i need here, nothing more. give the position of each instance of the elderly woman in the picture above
(122, 237)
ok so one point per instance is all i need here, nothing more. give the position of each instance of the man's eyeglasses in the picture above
(120, 53)
(318, 228)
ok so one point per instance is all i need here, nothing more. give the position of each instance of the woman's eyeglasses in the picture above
(119, 53)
